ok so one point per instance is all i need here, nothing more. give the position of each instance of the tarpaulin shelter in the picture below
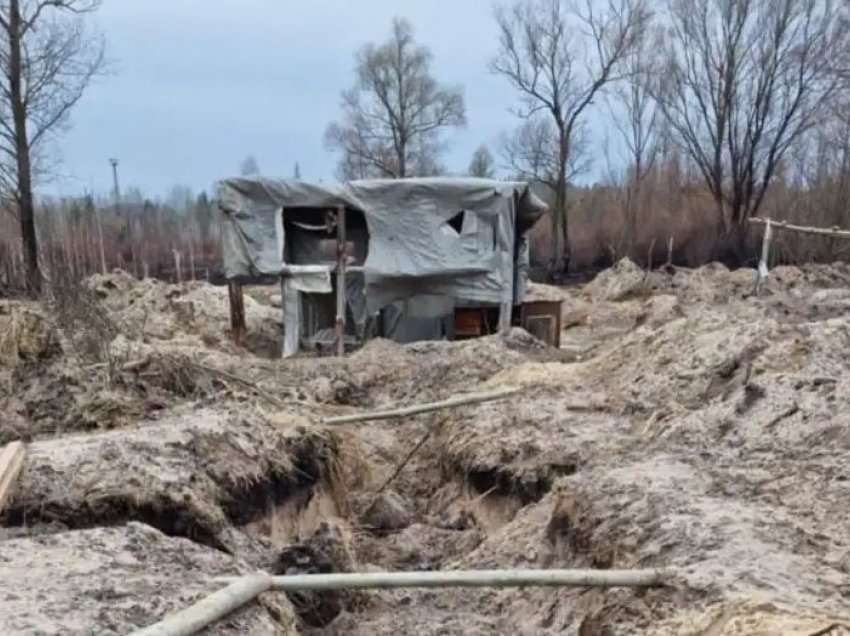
(404, 252)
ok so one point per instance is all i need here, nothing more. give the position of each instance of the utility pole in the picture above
(116, 193)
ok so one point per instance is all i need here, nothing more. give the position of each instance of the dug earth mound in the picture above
(685, 424)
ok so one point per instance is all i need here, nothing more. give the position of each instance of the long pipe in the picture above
(458, 400)
(472, 578)
(241, 591)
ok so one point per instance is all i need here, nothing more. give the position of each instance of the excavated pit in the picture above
(195, 476)
(685, 424)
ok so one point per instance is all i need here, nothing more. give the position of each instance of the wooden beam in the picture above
(237, 311)
(341, 257)
(459, 400)
(833, 232)
(11, 463)
(295, 270)
(193, 619)
(473, 578)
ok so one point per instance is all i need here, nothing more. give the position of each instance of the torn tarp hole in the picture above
(456, 222)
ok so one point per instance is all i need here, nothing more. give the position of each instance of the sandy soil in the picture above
(684, 424)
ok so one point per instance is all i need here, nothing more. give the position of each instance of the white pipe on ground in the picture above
(472, 578)
(193, 619)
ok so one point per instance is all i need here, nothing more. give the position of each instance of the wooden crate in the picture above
(542, 319)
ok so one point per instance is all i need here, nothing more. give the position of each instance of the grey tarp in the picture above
(438, 236)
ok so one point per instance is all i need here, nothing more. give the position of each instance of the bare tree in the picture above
(745, 79)
(482, 164)
(531, 151)
(393, 117)
(47, 61)
(636, 118)
(559, 60)
(249, 167)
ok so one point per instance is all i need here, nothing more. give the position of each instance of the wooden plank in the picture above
(295, 270)
(11, 463)
(834, 232)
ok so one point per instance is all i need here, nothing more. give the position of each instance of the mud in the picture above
(685, 423)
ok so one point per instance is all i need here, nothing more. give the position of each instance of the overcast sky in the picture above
(197, 85)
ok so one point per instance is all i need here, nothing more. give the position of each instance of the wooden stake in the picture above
(208, 610)
(11, 463)
(340, 281)
(100, 240)
(237, 311)
(762, 271)
(178, 270)
(473, 578)
(405, 461)
(471, 398)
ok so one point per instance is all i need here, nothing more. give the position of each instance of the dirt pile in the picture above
(117, 580)
(621, 282)
(195, 475)
(26, 335)
(709, 438)
(151, 310)
(691, 426)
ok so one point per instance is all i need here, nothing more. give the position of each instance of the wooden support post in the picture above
(237, 311)
(210, 609)
(762, 271)
(178, 270)
(341, 258)
(11, 463)
(505, 310)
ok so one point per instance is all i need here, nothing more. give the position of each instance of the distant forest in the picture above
(714, 112)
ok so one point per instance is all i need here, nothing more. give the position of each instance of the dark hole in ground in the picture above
(168, 519)
(323, 553)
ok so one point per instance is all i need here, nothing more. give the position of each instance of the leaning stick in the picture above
(268, 397)
(782, 225)
(193, 619)
(473, 578)
(404, 462)
(459, 400)
(11, 464)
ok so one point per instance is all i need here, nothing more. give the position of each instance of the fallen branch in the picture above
(193, 619)
(239, 380)
(136, 365)
(788, 412)
(11, 463)
(460, 400)
(782, 225)
(405, 461)
(472, 578)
